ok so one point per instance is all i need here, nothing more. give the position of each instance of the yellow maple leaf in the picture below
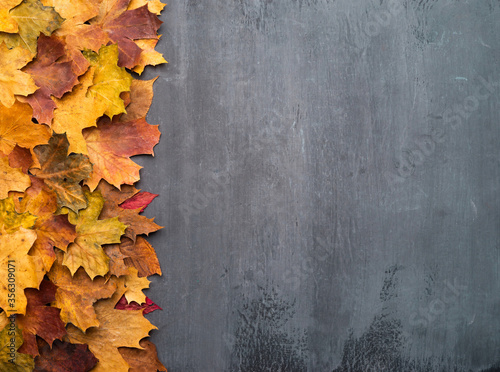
(10, 220)
(135, 286)
(76, 294)
(78, 110)
(149, 56)
(18, 268)
(12, 80)
(33, 19)
(109, 80)
(92, 233)
(16, 127)
(11, 179)
(7, 23)
(105, 340)
(154, 6)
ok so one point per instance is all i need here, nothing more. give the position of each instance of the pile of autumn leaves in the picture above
(71, 232)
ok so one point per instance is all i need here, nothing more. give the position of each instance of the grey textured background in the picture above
(329, 184)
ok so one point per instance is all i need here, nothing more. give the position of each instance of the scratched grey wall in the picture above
(329, 180)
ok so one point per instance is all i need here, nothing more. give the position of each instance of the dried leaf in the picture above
(27, 270)
(16, 128)
(10, 220)
(33, 19)
(109, 80)
(12, 80)
(92, 233)
(53, 77)
(40, 320)
(139, 200)
(7, 23)
(145, 360)
(141, 96)
(62, 172)
(11, 179)
(52, 230)
(76, 294)
(11, 360)
(141, 255)
(111, 144)
(64, 357)
(136, 224)
(105, 340)
(146, 307)
(149, 56)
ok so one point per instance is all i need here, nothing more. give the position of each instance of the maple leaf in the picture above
(135, 286)
(105, 340)
(117, 265)
(62, 173)
(74, 12)
(40, 320)
(64, 357)
(147, 307)
(141, 255)
(33, 19)
(139, 200)
(53, 77)
(136, 224)
(52, 230)
(29, 271)
(111, 144)
(20, 158)
(78, 110)
(10, 220)
(7, 23)
(149, 56)
(141, 96)
(11, 179)
(145, 360)
(11, 360)
(154, 6)
(92, 233)
(123, 26)
(16, 127)
(12, 80)
(109, 79)
(76, 294)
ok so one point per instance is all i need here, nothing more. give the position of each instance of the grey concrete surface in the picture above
(329, 180)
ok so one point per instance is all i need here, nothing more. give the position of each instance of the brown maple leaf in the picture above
(53, 77)
(21, 158)
(40, 320)
(64, 357)
(145, 360)
(62, 172)
(141, 255)
(141, 96)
